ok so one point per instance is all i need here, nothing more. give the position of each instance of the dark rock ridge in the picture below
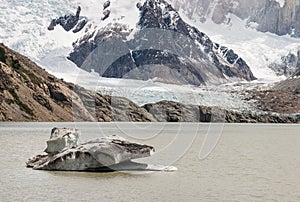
(106, 5)
(69, 22)
(106, 14)
(163, 47)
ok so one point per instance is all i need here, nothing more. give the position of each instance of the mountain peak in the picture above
(160, 41)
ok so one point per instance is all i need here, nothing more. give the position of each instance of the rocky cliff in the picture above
(270, 15)
(167, 111)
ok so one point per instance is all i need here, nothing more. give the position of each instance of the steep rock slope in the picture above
(29, 93)
(157, 45)
(291, 84)
(283, 97)
(278, 99)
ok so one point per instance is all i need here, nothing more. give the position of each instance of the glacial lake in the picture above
(248, 163)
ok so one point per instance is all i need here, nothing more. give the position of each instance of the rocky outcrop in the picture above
(164, 47)
(106, 14)
(65, 154)
(105, 108)
(106, 4)
(167, 111)
(80, 25)
(69, 22)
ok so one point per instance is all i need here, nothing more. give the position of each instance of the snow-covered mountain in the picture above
(155, 44)
(209, 62)
(24, 29)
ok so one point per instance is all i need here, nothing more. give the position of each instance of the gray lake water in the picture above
(249, 163)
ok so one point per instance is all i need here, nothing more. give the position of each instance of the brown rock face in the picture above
(291, 85)
(280, 99)
(25, 91)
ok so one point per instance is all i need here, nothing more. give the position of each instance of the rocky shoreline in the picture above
(177, 112)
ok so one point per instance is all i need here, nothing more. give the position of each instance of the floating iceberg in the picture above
(113, 153)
